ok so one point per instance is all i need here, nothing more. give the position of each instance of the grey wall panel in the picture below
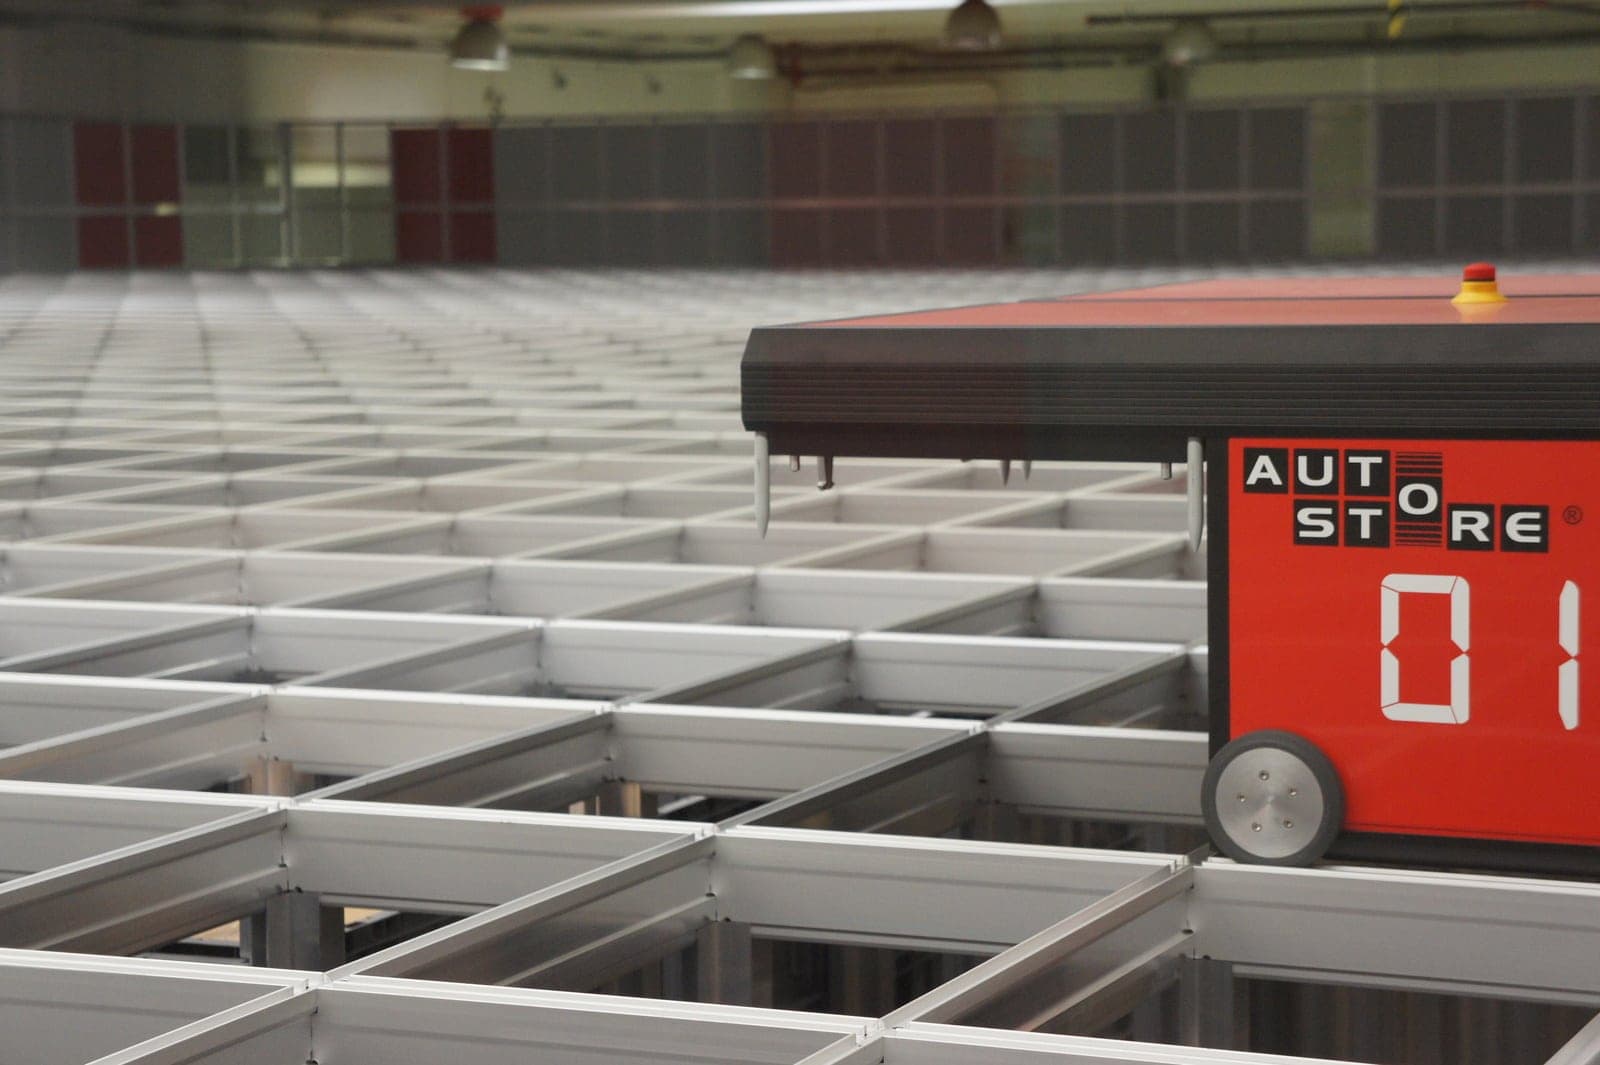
(1277, 230)
(1589, 157)
(1088, 155)
(46, 243)
(1277, 154)
(740, 160)
(371, 235)
(576, 174)
(970, 148)
(574, 238)
(208, 240)
(521, 165)
(1474, 226)
(8, 156)
(740, 237)
(205, 155)
(1546, 138)
(1211, 150)
(796, 237)
(630, 162)
(1542, 223)
(1407, 144)
(853, 236)
(910, 154)
(43, 161)
(1211, 232)
(1150, 151)
(1407, 226)
(683, 161)
(631, 238)
(685, 238)
(1475, 142)
(1088, 234)
(971, 235)
(795, 154)
(519, 236)
(850, 153)
(1150, 232)
(911, 234)
(262, 237)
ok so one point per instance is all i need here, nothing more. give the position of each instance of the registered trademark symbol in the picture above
(1572, 515)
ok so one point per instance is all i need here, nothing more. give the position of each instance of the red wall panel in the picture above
(103, 242)
(414, 160)
(155, 165)
(158, 241)
(423, 201)
(471, 165)
(418, 236)
(472, 237)
(98, 164)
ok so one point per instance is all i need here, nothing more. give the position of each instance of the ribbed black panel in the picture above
(932, 387)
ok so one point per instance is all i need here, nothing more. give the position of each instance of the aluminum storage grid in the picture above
(406, 636)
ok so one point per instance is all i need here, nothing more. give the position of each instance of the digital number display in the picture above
(1417, 610)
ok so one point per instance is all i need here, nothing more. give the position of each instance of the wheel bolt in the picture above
(1255, 826)
(1288, 824)
(1264, 774)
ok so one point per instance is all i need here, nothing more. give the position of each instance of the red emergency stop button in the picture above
(1478, 286)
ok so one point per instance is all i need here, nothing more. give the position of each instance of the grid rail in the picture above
(390, 669)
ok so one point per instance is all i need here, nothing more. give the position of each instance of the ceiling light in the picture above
(751, 59)
(480, 45)
(1191, 41)
(973, 26)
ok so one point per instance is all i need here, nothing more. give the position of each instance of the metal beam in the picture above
(927, 791)
(1009, 984)
(143, 896)
(1439, 932)
(545, 767)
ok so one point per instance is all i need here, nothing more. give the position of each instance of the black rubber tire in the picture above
(1327, 778)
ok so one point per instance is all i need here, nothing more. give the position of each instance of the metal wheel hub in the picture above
(1269, 802)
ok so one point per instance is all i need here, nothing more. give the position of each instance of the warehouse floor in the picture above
(390, 669)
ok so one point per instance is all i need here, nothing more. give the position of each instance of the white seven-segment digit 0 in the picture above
(1567, 676)
(1459, 708)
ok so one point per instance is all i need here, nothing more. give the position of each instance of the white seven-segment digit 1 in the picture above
(1568, 674)
(1459, 708)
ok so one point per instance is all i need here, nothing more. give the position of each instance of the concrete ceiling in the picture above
(657, 27)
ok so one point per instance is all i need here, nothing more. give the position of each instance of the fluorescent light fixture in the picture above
(747, 9)
(480, 46)
(1191, 41)
(751, 59)
(973, 26)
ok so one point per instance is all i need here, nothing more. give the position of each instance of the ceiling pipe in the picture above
(1380, 10)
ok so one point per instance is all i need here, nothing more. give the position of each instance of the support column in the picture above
(1206, 1003)
(295, 931)
(620, 798)
(723, 964)
(273, 776)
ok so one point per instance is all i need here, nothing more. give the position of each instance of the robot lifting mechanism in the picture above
(1401, 495)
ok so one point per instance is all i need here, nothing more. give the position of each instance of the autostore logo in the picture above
(1368, 497)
